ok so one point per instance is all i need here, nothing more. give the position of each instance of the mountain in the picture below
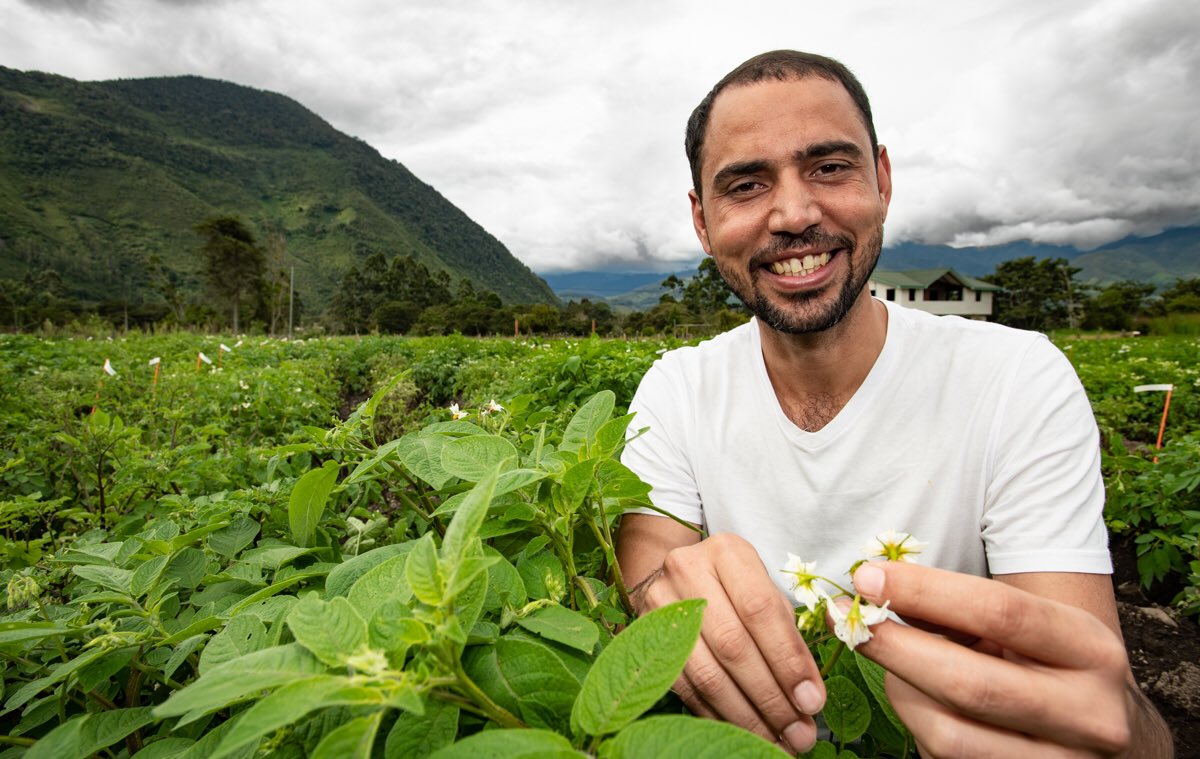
(98, 177)
(1158, 259)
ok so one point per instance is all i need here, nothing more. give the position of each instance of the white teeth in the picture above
(796, 267)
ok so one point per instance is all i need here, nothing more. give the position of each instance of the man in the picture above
(833, 416)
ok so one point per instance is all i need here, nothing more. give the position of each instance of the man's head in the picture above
(780, 65)
(791, 189)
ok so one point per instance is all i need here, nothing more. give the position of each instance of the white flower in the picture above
(455, 413)
(491, 407)
(852, 626)
(804, 574)
(242, 384)
(894, 546)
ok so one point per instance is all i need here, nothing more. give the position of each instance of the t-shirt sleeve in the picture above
(659, 455)
(1045, 498)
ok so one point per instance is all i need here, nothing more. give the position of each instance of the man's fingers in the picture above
(1070, 702)
(945, 734)
(1023, 622)
(770, 622)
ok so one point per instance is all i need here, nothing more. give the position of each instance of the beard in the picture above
(804, 313)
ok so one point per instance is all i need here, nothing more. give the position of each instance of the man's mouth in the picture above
(799, 267)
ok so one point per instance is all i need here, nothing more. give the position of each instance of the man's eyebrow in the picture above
(737, 170)
(808, 153)
(826, 149)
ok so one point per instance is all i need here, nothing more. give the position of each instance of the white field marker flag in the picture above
(108, 368)
(1162, 426)
(156, 362)
(201, 357)
(222, 349)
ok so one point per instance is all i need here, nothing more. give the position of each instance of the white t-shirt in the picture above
(975, 438)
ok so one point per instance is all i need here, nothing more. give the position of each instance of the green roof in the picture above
(919, 279)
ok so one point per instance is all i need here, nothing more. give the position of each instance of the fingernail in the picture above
(799, 737)
(808, 698)
(868, 580)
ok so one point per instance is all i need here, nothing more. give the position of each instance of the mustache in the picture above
(813, 237)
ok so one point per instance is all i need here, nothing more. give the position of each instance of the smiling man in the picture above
(833, 416)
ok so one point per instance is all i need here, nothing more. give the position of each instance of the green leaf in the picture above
(563, 625)
(83, 736)
(475, 457)
(422, 455)
(611, 436)
(231, 539)
(463, 531)
(511, 744)
(146, 575)
(112, 578)
(637, 668)
(822, 750)
(187, 568)
(684, 736)
(505, 586)
(874, 675)
(332, 630)
(15, 632)
(292, 702)
(60, 673)
(847, 711)
(352, 740)
(343, 577)
(369, 465)
(385, 582)
(414, 736)
(575, 485)
(307, 502)
(393, 630)
(423, 573)
(526, 678)
(617, 481)
(588, 421)
(231, 681)
(242, 635)
(515, 479)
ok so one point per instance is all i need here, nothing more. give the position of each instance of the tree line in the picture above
(246, 287)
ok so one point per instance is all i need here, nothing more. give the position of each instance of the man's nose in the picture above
(794, 207)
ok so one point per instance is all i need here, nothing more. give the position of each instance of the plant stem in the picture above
(16, 740)
(491, 709)
(837, 652)
(610, 555)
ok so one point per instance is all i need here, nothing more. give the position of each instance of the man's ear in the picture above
(698, 221)
(883, 173)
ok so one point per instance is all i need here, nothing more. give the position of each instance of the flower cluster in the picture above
(851, 625)
(491, 407)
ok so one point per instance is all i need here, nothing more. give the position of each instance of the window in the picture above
(891, 293)
(978, 295)
(912, 294)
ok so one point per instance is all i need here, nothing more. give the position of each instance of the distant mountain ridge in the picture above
(97, 177)
(1158, 259)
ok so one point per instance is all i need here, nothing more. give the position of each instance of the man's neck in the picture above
(816, 375)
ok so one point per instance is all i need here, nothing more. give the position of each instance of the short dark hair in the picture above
(783, 65)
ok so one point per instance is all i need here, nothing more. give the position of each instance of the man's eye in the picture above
(830, 168)
(745, 187)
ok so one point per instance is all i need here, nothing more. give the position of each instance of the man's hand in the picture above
(750, 666)
(1042, 678)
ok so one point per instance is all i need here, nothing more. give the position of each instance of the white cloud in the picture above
(558, 126)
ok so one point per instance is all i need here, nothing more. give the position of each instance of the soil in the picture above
(1164, 649)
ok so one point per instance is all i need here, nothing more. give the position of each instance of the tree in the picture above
(1182, 297)
(707, 292)
(1116, 305)
(1038, 294)
(233, 263)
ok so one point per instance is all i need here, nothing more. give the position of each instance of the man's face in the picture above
(793, 200)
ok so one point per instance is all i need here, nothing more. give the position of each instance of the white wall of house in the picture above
(974, 305)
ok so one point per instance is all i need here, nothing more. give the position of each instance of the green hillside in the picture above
(97, 177)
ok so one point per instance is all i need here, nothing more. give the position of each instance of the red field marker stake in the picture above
(1162, 426)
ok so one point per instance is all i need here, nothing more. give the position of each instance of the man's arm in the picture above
(750, 665)
(1047, 674)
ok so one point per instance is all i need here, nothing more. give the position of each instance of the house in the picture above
(938, 291)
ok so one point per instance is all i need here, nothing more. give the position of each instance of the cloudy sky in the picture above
(558, 124)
